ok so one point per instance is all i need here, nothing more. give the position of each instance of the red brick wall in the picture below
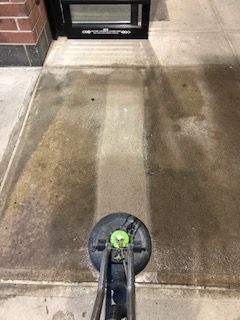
(21, 21)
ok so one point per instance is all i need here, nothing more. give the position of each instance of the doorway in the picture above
(104, 19)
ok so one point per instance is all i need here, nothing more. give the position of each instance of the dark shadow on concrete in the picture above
(158, 10)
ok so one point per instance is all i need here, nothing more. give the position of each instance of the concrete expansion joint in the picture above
(17, 282)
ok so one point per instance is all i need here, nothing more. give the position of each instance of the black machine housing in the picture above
(117, 276)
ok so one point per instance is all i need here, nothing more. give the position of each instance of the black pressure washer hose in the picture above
(119, 248)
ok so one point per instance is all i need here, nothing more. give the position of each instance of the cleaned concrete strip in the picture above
(121, 185)
(75, 302)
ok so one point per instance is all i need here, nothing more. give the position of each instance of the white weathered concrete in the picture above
(16, 85)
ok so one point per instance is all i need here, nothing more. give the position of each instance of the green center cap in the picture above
(119, 239)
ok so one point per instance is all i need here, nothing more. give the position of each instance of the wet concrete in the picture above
(192, 122)
(88, 137)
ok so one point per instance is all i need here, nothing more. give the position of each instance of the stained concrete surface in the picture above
(192, 121)
(170, 156)
(50, 199)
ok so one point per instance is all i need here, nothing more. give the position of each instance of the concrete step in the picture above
(68, 301)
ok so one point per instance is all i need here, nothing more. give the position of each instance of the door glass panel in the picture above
(106, 13)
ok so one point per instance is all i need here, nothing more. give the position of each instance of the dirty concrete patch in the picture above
(193, 136)
(48, 204)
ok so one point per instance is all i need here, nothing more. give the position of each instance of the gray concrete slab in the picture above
(229, 13)
(16, 85)
(189, 15)
(74, 164)
(191, 48)
(164, 48)
(235, 41)
(75, 302)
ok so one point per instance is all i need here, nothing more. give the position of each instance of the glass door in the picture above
(105, 19)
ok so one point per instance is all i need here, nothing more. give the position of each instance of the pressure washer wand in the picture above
(119, 248)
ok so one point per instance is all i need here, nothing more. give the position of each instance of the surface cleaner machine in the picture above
(119, 248)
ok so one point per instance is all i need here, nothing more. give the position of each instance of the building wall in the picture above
(24, 32)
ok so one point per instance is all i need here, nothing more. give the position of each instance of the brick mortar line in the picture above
(18, 44)
(16, 21)
(13, 3)
(14, 17)
(16, 31)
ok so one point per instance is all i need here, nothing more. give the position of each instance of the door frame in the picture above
(61, 24)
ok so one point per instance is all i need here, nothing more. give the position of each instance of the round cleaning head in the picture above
(120, 229)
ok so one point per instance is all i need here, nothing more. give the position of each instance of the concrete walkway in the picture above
(193, 32)
(148, 127)
(62, 301)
